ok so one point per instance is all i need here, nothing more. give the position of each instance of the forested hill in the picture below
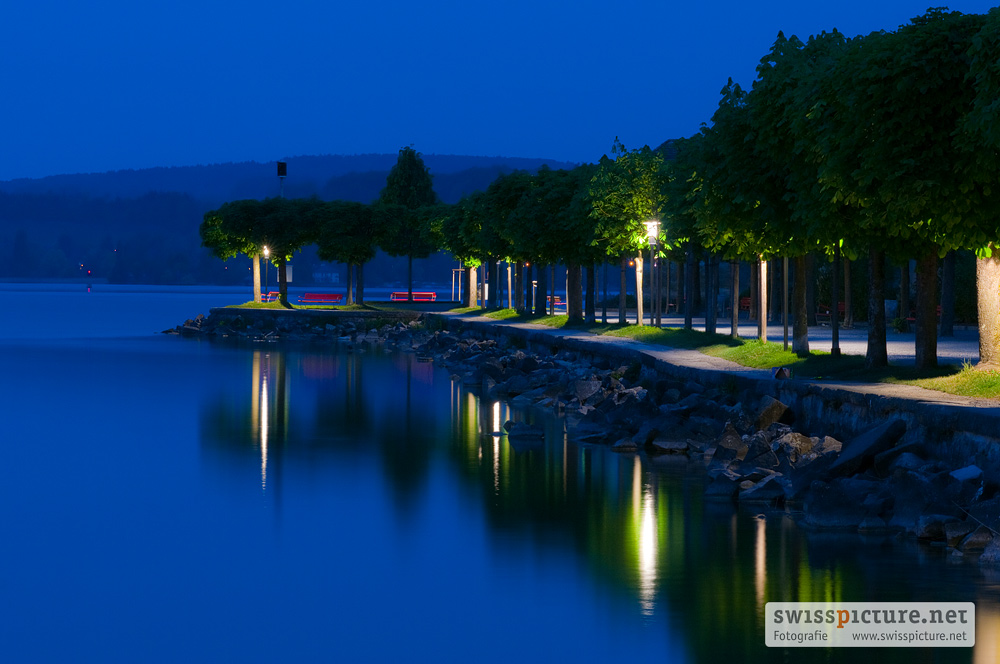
(327, 176)
(141, 226)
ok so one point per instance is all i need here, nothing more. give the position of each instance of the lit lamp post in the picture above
(266, 261)
(653, 233)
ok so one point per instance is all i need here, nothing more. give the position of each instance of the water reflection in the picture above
(640, 527)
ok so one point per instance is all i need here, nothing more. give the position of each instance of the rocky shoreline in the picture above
(880, 482)
(884, 481)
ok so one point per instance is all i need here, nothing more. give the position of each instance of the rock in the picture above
(672, 396)
(827, 445)
(795, 445)
(977, 540)
(860, 452)
(991, 554)
(957, 531)
(693, 388)
(906, 461)
(987, 512)
(663, 446)
(883, 461)
(830, 507)
(625, 445)
(517, 385)
(768, 490)
(872, 524)
(931, 526)
(584, 389)
(771, 410)
(968, 474)
(646, 434)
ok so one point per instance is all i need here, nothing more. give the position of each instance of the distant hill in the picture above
(321, 175)
(141, 226)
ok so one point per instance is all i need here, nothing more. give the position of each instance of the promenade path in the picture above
(954, 350)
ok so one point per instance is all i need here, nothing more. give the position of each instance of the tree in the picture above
(407, 189)
(346, 232)
(230, 231)
(626, 192)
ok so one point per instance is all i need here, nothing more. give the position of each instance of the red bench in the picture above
(824, 312)
(557, 303)
(320, 298)
(403, 296)
(269, 297)
(745, 305)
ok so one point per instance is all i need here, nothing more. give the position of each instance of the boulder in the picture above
(991, 554)
(860, 452)
(931, 526)
(768, 490)
(977, 540)
(967, 474)
(625, 445)
(795, 445)
(770, 411)
(832, 507)
(584, 389)
(957, 531)
(906, 461)
(664, 446)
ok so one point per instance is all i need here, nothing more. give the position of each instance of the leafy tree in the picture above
(406, 233)
(626, 192)
(230, 231)
(346, 232)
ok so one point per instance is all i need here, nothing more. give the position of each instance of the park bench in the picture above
(745, 305)
(270, 296)
(912, 318)
(402, 296)
(555, 303)
(320, 298)
(823, 312)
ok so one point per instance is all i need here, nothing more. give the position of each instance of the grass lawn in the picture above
(964, 381)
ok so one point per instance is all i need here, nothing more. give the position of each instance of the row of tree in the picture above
(880, 145)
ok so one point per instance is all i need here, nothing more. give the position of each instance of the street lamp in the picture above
(266, 261)
(653, 234)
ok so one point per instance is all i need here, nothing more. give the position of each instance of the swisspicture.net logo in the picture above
(870, 624)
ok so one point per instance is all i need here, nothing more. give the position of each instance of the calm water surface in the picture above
(174, 500)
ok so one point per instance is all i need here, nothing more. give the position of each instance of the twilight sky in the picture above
(116, 84)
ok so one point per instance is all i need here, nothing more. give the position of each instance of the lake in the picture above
(168, 499)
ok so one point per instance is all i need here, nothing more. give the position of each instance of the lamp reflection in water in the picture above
(760, 562)
(645, 504)
(266, 400)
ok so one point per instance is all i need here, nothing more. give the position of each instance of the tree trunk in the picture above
(666, 288)
(471, 277)
(689, 281)
(622, 295)
(590, 311)
(774, 297)
(988, 304)
(519, 287)
(681, 285)
(283, 285)
(510, 288)
(552, 290)
(695, 293)
(574, 293)
(903, 306)
(810, 278)
(734, 325)
(255, 262)
(409, 278)
(926, 332)
(350, 283)
(604, 300)
(800, 310)
(529, 289)
(948, 295)
(762, 308)
(711, 292)
(638, 290)
(835, 305)
(541, 305)
(848, 300)
(360, 286)
(876, 355)
(483, 287)
(754, 288)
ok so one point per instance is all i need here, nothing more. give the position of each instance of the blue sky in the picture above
(111, 84)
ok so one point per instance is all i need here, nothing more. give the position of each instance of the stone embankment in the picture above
(879, 481)
(301, 325)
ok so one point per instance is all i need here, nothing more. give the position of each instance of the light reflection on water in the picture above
(374, 489)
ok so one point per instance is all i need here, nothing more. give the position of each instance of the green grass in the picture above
(967, 382)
